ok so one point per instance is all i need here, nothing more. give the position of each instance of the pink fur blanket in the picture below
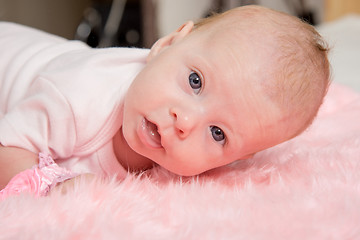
(306, 188)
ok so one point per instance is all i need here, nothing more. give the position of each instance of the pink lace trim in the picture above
(39, 180)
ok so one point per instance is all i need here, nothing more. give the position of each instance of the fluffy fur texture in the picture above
(306, 188)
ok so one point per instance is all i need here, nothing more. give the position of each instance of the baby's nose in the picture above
(184, 121)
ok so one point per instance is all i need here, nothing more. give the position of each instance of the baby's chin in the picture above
(185, 172)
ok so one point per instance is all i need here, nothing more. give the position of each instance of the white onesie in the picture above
(64, 98)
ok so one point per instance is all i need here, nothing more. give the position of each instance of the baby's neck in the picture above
(127, 157)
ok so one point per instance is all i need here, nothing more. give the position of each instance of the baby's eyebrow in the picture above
(202, 66)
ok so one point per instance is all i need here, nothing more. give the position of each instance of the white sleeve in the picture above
(43, 121)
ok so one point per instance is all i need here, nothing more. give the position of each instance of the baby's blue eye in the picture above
(195, 82)
(217, 133)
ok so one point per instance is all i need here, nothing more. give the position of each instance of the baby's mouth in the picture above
(151, 134)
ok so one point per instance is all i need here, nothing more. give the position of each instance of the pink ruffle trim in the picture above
(39, 180)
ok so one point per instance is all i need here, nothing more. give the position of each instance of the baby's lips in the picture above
(151, 134)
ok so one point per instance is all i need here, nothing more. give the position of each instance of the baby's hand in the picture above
(64, 187)
(39, 180)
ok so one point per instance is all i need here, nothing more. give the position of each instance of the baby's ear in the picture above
(170, 39)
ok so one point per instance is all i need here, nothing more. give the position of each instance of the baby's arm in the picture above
(14, 160)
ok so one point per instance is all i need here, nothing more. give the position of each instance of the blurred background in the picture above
(104, 23)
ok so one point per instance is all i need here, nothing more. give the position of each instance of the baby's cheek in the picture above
(200, 163)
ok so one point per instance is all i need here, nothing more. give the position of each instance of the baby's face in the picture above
(196, 106)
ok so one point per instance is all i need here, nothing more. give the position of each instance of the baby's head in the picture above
(225, 89)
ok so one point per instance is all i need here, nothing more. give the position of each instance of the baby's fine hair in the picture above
(302, 77)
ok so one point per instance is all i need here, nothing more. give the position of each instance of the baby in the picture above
(204, 96)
